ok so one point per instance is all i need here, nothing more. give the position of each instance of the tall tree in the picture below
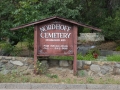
(98, 13)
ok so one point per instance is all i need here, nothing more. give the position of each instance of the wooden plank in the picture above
(55, 55)
(75, 50)
(56, 38)
(35, 47)
(59, 18)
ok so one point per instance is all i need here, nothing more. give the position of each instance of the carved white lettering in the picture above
(55, 27)
(55, 35)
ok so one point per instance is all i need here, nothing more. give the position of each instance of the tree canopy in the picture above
(104, 14)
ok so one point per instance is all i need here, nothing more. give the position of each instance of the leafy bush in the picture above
(40, 68)
(117, 48)
(7, 48)
(16, 51)
(86, 57)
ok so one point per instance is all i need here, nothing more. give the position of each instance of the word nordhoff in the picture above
(55, 27)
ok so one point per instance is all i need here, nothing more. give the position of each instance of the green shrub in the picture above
(7, 48)
(16, 51)
(88, 56)
(117, 48)
(40, 68)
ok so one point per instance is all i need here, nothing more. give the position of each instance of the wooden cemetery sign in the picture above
(55, 36)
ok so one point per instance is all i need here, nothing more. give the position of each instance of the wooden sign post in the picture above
(55, 36)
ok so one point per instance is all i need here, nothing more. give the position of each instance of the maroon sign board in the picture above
(55, 36)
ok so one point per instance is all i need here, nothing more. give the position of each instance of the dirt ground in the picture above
(65, 75)
(107, 46)
(104, 45)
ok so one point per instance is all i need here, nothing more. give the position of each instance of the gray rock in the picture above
(21, 69)
(0, 57)
(27, 72)
(45, 64)
(5, 71)
(70, 62)
(105, 52)
(95, 68)
(13, 58)
(9, 66)
(4, 61)
(88, 62)
(79, 64)
(100, 74)
(53, 63)
(0, 65)
(90, 73)
(31, 66)
(8, 58)
(83, 49)
(116, 71)
(63, 63)
(0, 69)
(117, 65)
(103, 71)
(106, 68)
(19, 63)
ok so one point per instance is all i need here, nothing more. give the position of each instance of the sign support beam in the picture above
(35, 48)
(75, 50)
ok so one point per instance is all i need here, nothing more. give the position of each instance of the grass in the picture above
(79, 57)
(15, 78)
(114, 58)
(87, 57)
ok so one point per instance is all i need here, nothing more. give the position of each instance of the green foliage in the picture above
(30, 44)
(7, 48)
(88, 56)
(51, 75)
(117, 48)
(40, 68)
(113, 58)
(90, 80)
(62, 57)
(81, 73)
(100, 13)
(111, 27)
(6, 18)
(16, 51)
(86, 30)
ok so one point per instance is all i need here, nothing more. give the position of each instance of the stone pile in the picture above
(94, 68)
(25, 65)
(16, 64)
